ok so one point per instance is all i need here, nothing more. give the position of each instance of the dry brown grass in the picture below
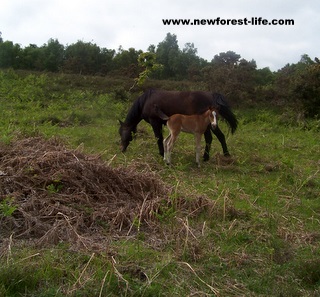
(64, 195)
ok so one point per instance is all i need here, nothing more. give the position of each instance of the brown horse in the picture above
(196, 124)
(173, 102)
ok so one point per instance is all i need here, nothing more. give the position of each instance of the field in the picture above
(248, 225)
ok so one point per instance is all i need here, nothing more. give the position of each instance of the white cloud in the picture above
(138, 24)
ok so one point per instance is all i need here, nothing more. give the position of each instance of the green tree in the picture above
(53, 55)
(308, 88)
(168, 53)
(232, 76)
(286, 81)
(32, 58)
(107, 56)
(9, 54)
(151, 48)
(228, 59)
(191, 63)
(83, 58)
(125, 62)
(264, 80)
(298, 86)
(264, 77)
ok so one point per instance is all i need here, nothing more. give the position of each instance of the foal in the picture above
(195, 124)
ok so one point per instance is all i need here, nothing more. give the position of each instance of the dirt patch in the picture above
(64, 195)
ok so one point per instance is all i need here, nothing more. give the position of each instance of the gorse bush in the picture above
(309, 90)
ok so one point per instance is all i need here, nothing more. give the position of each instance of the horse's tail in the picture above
(225, 111)
(160, 113)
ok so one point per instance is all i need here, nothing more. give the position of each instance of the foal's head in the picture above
(212, 113)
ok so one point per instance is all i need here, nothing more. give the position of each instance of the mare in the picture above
(196, 124)
(175, 102)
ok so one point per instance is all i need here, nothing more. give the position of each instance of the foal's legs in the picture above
(197, 137)
(165, 146)
(171, 139)
(169, 148)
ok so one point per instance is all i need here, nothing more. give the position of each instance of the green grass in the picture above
(262, 237)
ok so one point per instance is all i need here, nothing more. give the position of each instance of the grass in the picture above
(261, 239)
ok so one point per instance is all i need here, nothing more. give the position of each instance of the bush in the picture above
(310, 91)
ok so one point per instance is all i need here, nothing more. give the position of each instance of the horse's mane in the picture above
(134, 115)
(225, 111)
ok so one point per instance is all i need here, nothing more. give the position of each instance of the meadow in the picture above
(259, 237)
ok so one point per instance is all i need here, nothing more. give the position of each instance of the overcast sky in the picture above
(138, 23)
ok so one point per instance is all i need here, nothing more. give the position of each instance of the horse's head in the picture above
(126, 132)
(213, 117)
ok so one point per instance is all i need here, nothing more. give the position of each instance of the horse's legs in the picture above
(197, 137)
(208, 139)
(217, 132)
(157, 130)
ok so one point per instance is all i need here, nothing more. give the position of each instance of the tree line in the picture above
(227, 72)
(89, 59)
